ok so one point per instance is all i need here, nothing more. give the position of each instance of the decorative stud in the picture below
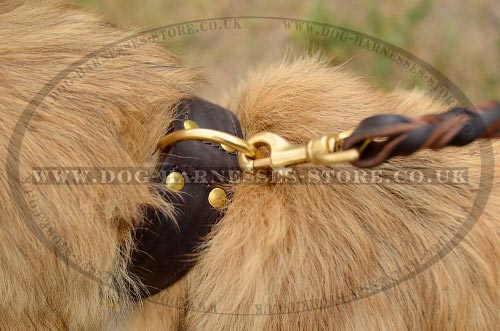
(217, 198)
(227, 148)
(188, 124)
(175, 181)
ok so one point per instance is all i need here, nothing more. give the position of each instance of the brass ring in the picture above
(210, 135)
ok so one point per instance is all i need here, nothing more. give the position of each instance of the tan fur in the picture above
(112, 118)
(277, 244)
(286, 244)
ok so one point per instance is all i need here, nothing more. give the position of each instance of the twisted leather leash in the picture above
(403, 136)
(204, 138)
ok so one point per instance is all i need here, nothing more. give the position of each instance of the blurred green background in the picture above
(460, 38)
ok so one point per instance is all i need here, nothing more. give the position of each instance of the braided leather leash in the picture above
(395, 135)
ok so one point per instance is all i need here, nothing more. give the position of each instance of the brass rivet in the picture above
(227, 148)
(188, 124)
(217, 198)
(175, 181)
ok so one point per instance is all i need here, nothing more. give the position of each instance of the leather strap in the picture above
(404, 136)
(165, 248)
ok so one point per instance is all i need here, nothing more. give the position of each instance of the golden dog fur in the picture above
(277, 246)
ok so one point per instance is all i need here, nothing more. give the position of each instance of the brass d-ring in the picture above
(211, 135)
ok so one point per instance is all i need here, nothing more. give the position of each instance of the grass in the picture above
(463, 44)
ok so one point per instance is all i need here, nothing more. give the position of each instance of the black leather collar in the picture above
(165, 248)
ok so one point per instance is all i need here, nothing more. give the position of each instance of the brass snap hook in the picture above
(282, 153)
(326, 149)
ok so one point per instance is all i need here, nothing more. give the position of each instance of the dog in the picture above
(282, 257)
